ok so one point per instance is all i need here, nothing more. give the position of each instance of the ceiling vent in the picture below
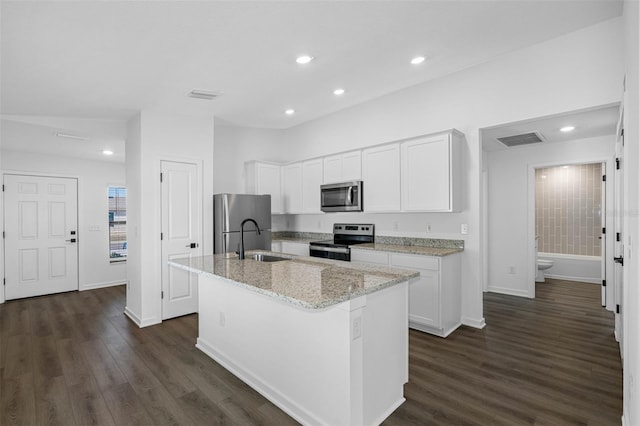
(204, 94)
(523, 139)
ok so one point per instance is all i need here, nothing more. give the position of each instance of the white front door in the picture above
(41, 223)
(181, 235)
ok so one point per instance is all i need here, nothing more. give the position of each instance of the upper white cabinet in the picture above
(292, 187)
(264, 178)
(343, 167)
(381, 178)
(430, 173)
(311, 181)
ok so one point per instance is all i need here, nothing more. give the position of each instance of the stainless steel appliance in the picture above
(229, 211)
(341, 197)
(344, 236)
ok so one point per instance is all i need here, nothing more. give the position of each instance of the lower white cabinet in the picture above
(435, 297)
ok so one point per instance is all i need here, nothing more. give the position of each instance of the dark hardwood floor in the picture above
(74, 358)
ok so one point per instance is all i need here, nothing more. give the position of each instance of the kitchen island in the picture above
(326, 341)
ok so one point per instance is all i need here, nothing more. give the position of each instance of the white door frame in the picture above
(531, 221)
(79, 223)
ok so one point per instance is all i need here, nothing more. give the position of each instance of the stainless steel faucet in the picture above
(241, 253)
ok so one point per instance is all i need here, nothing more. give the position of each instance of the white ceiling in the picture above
(107, 60)
(588, 123)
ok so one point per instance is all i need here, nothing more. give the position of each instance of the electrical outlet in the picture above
(223, 320)
(428, 227)
(464, 228)
(512, 270)
(319, 224)
(395, 225)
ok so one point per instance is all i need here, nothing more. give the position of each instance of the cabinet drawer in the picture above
(415, 262)
(369, 256)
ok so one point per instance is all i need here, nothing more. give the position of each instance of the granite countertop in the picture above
(301, 240)
(409, 249)
(307, 282)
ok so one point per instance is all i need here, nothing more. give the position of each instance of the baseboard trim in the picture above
(101, 285)
(508, 291)
(294, 410)
(473, 322)
(578, 279)
(140, 322)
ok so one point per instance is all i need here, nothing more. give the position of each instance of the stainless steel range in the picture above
(344, 235)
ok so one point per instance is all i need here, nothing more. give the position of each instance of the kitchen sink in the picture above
(260, 257)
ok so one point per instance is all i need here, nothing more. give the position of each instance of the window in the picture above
(117, 223)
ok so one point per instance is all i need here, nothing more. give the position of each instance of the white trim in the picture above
(577, 279)
(104, 284)
(139, 322)
(568, 256)
(510, 291)
(473, 322)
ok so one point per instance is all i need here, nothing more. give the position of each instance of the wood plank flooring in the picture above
(74, 358)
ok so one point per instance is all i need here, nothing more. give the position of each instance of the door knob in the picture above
(192, 245)
(73, 240)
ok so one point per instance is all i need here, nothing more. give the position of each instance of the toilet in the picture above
(543, 265)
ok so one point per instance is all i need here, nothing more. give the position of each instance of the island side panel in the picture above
(310, 363)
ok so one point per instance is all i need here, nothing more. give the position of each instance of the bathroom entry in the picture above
(570, 223)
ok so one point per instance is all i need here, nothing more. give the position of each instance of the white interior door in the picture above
(41, 223)
(603, 237)
(181, 235)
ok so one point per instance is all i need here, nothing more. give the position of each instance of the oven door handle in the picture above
(344, 250)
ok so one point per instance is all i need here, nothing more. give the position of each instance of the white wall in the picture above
(510, 244)
(152, 137)
(580, 70)
(94, 177)
(631, 294)
(234, 146)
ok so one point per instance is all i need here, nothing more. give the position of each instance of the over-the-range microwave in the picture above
(341, 197)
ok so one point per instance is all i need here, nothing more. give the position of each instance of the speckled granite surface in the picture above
(409, 245)
(307, 282)
(421, 250)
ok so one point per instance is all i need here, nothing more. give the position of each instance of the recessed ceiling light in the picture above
(290, 111)
(567, 128)
(418, 60)
(543, 176)
(338, 92)
(107, 152)
(203, 94)
(70, 136)
(304, 59)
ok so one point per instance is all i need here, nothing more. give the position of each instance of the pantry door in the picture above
(181, 235)
(41, 223)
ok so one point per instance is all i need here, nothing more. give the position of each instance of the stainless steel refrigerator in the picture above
(229, 210)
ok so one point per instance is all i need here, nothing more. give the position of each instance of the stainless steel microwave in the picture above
(341, 197)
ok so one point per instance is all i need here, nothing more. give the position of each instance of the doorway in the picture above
(41, 235)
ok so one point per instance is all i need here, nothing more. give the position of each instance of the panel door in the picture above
(292, 188)
(618, 220)
(424, 299)
(311, 181)
(426, 174)
(352, 166)
(381, 178)
(181, 236)
(333, 169)
(41, 223)
(268, 177)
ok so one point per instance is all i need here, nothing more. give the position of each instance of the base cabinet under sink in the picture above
(435, 297)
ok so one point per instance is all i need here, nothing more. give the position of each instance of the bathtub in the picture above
(573, 267)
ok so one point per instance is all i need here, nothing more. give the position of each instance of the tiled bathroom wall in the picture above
(568, 209)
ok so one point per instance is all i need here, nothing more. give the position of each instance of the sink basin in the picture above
(266, 258)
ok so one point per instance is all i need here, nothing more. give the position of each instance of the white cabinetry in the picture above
(381, 178)
(343, 167)
(264, 178)
(301, 249)
(292, 187)
(311, 181)
(435, 297)
(430, 173)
